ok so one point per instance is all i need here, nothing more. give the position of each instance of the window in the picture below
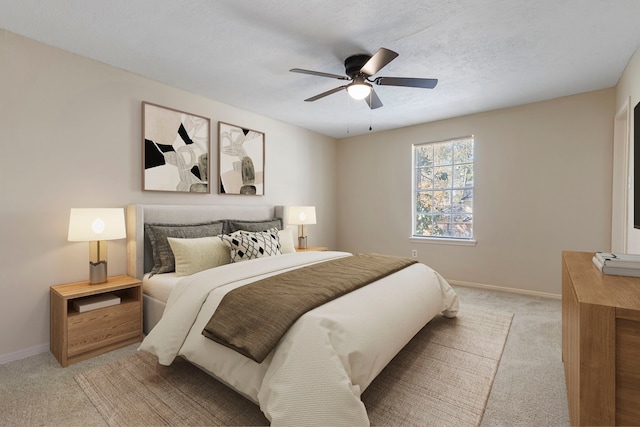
(443, 189)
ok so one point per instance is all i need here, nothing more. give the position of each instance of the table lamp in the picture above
(96, 226)
(300, 216)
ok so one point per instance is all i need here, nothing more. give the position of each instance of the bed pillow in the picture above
(163, 260)
(285, 237)
(245, 245)
(254, 226)
(202, 253)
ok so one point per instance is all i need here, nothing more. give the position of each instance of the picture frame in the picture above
(175, 150)
(240, 160)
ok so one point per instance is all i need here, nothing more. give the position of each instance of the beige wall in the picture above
(628, 90)
(542, 185)
(71, 137)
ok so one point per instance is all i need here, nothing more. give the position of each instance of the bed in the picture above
(325, 360)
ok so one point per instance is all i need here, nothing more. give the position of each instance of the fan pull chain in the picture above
(348, 112)
(370, 110)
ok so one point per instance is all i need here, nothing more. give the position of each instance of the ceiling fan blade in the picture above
(406, 81)
(373, 100)
(319, 73)
(379, 59)
(327, 93)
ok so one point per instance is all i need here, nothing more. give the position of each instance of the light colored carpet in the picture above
(443, 377)
(528, 390)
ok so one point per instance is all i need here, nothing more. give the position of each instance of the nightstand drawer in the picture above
(103, 327)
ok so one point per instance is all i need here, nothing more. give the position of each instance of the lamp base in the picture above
(97, 272)
(302, 242)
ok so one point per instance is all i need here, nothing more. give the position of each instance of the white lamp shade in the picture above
(359, 90)
(302, 215)
(87, 225)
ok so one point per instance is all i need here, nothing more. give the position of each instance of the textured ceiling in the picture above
(487, 54)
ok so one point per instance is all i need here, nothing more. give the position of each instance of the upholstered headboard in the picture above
(139, 258)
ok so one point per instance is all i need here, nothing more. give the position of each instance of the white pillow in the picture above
(202, 253)
(245, 245)
(285, 237)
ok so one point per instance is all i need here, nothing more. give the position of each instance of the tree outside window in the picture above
(443, 189)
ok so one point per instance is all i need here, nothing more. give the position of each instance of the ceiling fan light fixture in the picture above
(359, 69)
(359, 90)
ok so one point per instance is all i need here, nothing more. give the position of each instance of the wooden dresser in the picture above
(600, 343)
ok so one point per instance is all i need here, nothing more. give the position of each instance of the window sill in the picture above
(442, 241)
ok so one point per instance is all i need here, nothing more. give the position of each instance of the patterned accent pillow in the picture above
(245, 245)
(163, 259)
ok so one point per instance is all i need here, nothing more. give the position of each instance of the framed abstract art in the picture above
(240, 160)
(175, 152)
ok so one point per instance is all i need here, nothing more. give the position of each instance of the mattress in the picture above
(159, 286)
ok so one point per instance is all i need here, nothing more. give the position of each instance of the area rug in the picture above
(443, 377)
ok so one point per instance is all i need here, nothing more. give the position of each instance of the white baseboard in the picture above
(503, 289)
(27, 352)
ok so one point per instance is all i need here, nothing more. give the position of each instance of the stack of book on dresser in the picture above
(617, 264)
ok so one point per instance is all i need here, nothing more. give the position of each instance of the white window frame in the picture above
(462, 241)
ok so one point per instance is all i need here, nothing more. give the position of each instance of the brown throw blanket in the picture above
(252, 319)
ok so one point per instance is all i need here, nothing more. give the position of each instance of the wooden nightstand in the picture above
(312, 248)
(78, 336)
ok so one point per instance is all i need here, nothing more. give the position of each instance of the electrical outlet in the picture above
(414, 253)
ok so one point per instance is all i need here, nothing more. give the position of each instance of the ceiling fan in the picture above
(359, 69)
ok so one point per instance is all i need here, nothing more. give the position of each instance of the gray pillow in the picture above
(163, 260)
(253, 226)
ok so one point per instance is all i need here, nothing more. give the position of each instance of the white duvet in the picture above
(316, 374)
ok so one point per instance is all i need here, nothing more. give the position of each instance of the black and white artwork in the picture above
(175, 151)
(241, 160)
